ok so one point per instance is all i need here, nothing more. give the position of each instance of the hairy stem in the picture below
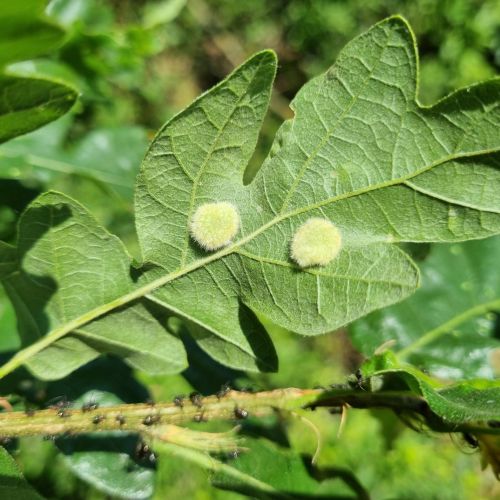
(145, 418)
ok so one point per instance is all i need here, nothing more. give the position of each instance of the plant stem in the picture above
(145, 418)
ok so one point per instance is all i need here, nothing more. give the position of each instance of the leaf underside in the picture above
(359, 151)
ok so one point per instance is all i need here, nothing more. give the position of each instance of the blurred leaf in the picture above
(110, 156)
(446, 327)
(265, 470)
(12, 482)
(48, 69)
(162, 12)
(84, 251)
(9, 339)
(29, 103)
(107, 461)
(25, 33)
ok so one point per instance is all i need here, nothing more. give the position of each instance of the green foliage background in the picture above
(136, 63)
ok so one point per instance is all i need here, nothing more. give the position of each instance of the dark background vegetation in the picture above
(137, 63)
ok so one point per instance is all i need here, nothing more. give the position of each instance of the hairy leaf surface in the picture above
(359, 151)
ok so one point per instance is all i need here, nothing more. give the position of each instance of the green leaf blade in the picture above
(29, 103)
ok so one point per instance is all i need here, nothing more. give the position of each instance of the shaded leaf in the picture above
(107, 461)
(12, 482)
(63, 255)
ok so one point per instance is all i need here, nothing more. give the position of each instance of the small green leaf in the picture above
(29, 103)
(466, 402)
(447, 326)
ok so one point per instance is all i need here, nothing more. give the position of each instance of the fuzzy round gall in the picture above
(214, 225)
(316, 243)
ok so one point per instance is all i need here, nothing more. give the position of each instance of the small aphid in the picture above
(196, 399)
(29, 412)
(470, 440)
(240, 413)
(315, 243)
(225, 388)
(63, 413)
(151, 419)
(233, 455)
(199, 417)
(58, 402)
(214, 225)
(179, 401)
(356, 381)
(144, 453)
(120, 419)
(49, 437)
(97, 419)
(150, 402)
(90, 406)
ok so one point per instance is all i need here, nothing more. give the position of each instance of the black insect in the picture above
(197, 399)
(233, 455)
(225, 388)
(120, 419)
(151, 419)
(150, 402)
(49, 437)
(179, 401)
(89, 406)
(63, 413)
(97, 419)
(29, 412)
(143, 452)
(470, 440)
(199, 417)
(240, 413)
(59, 403)
(495, 424)
(357, 381)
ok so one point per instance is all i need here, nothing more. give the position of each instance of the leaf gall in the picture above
(214, 225)
(316, 243)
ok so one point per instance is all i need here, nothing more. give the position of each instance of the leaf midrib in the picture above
(59, 332)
